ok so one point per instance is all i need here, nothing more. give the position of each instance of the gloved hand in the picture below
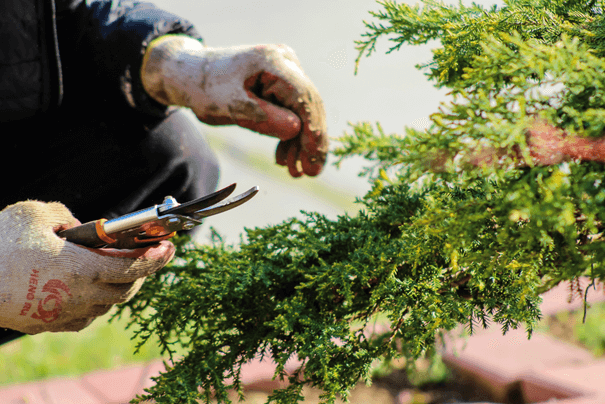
(49, 284)
(262, 88)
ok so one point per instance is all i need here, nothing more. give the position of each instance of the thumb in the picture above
(125, 266)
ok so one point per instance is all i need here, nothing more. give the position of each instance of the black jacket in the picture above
(69, 82)
(77, 52)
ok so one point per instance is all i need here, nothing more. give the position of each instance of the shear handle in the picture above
(89, 234)
(92, 235)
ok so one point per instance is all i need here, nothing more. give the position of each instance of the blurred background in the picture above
(388, 89)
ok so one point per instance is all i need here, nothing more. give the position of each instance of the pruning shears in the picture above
(152, 225)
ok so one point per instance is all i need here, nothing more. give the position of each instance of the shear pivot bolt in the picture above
(173, 221)
(188, 226)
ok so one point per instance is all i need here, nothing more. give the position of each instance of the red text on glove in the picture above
(53, 286)
(53, 299)
(33, 285)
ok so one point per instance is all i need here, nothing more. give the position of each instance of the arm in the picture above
(106, 40)
(261, 88)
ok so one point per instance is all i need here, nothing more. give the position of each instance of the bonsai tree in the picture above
(467, 222)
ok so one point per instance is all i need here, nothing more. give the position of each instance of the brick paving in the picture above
(541, 369)
(101, 387)
(510, 367)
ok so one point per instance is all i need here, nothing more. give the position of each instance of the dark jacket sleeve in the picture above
(106, 40)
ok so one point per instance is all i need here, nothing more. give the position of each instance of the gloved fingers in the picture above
(299, 161)
(41, 215)
(311, 163)
(115, 293)
(278, 100)
(289, 54)
(275, 120)
(262, 88)
(294, 165)
(298, 95)
(288, 154)
(76, 324)
(55, 215)
(56, 285)
(256, 114)
(99, 309)
(313, 148)
(281, 153)
(110, 265)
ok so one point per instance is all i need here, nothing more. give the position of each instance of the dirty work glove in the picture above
(262, 88)
(49, 284)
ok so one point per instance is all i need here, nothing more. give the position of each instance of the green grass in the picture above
(571, 328)
(99, 346)
(592, 333)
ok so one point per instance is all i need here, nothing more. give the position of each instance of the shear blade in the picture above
(191, 207)
(225, 205)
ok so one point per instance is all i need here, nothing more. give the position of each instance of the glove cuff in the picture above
(171, 67)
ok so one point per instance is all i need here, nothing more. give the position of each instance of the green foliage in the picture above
(462, 30)
(309, 290)
(427, 251)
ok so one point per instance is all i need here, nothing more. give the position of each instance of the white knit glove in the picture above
(262, 88)
(49, 284)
